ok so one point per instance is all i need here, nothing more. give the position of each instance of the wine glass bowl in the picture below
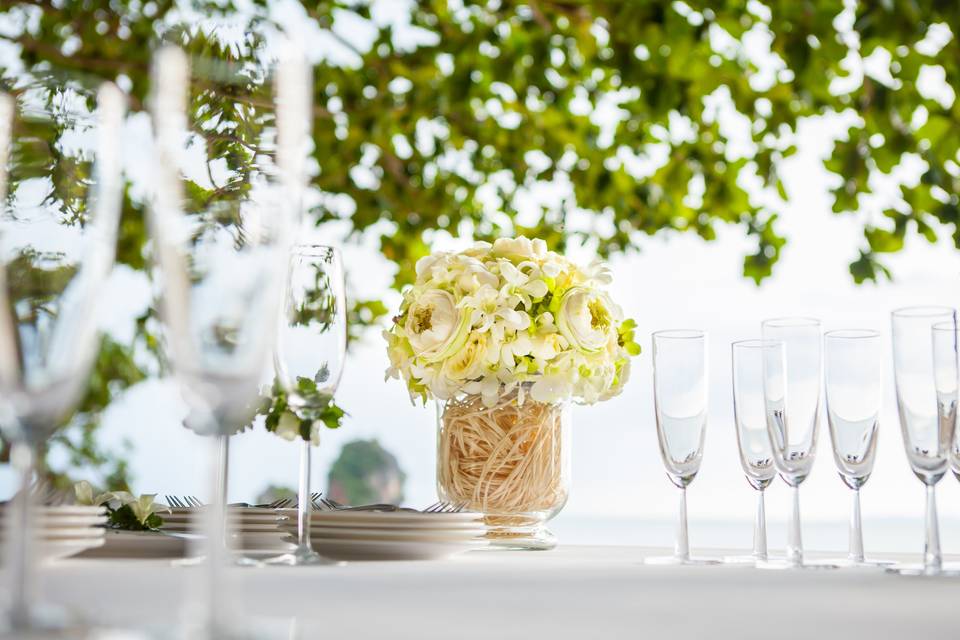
(920, 400)
(315, 327)
(680, 396)
(753, 441)
(854, 388)
(793, 425)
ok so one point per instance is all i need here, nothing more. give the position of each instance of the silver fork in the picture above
(173, 501)
(193, 501)
(446, 507)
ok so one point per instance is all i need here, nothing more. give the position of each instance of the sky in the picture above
(673, 281)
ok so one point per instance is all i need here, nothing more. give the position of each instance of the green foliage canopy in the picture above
(455, 118)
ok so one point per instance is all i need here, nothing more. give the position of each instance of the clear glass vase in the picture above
(510, 461)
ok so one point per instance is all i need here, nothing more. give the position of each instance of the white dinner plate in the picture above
(261, 538)
(139, 544)
(63, 510)
(186, 527)
(54, 549)
(394, 518)
(399, 534)
(62, 533)
(393, 525)
(70, 521)
(392, 550)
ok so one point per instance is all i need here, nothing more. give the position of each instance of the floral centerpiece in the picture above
(504, 337)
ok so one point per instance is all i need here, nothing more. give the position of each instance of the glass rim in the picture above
(791, 321)
(923, 311)
(310, 249)
(852, 334)
(755, 343)
(944, 326)
(679, 334)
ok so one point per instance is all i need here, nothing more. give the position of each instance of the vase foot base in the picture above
(538, 540)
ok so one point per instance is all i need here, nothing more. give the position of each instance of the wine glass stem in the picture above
(931, 552)
(794, 538)
(683, 544)
(760, 529)
(223, 466)
(303, 498)
(856, 530)
(214, 542)
(20, 552)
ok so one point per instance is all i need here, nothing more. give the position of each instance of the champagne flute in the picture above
(854, 394)
(680, 401)
(753, 443)
(791, 390)
(48, 304)
(924, 367)
(222, 289)
(308, 361)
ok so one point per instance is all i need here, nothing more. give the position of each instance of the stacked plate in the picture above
(64, 531)
(392, 535)
(254, 531)
(140, 544)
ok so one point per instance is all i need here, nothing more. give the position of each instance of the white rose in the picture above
(434, 326)
(520, 249)
(586, 319)
(467, 363)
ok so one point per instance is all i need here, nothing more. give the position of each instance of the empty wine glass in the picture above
(791, 390)
(49, 295)
(680, 401)
(753, 442)
(924, 367)
(308, 361)
(222, 271)
(854, 394)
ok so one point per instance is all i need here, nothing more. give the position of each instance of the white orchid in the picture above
(142, 507)
(498, 317)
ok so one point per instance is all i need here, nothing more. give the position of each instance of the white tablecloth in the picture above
(582, 593)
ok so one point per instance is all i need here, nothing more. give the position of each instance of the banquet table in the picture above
(570, 592)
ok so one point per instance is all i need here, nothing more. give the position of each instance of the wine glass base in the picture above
(749, 560)
(867, 563)
(784, 564)
(300, 557)
(72, 633)
(233, 561)
(677, 560)
(47, 622)
(921, 570)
